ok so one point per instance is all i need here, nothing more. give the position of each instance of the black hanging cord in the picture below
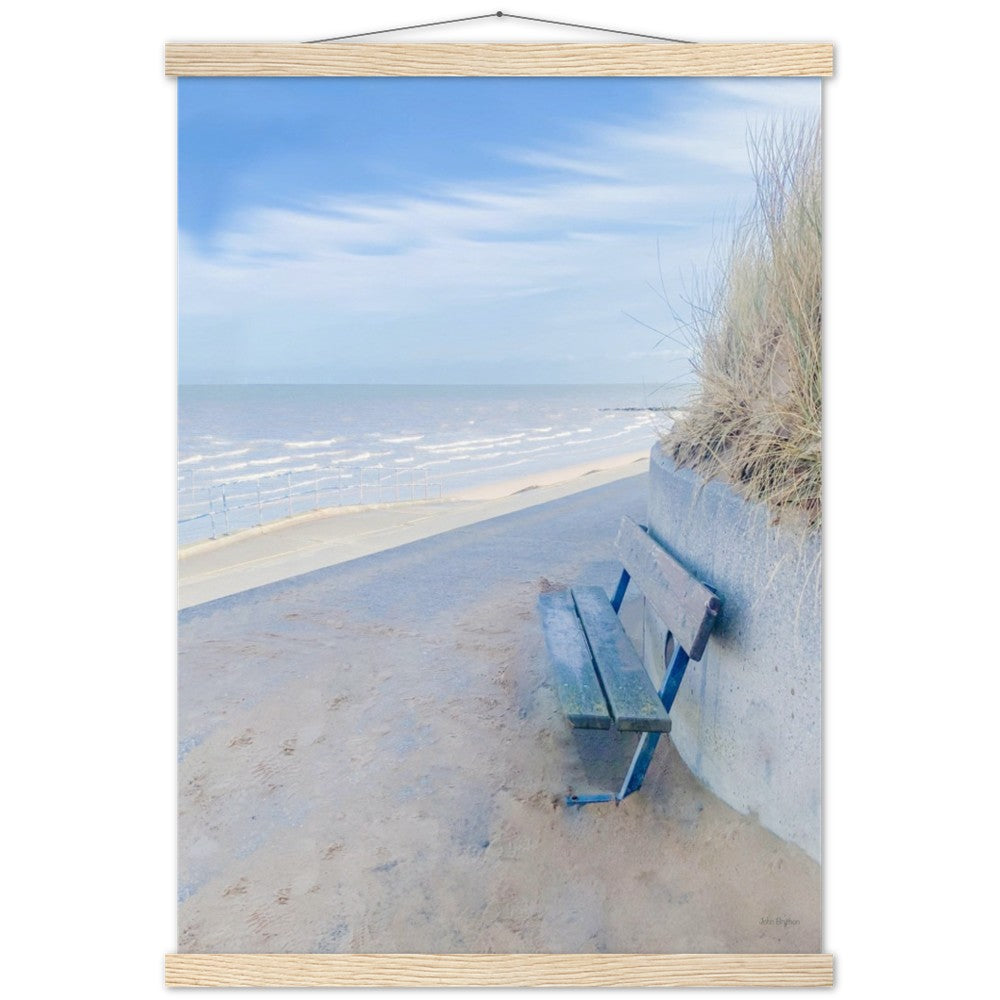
(499, 13)
(408, 27)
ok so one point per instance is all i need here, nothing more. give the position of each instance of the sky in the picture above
(481, 231)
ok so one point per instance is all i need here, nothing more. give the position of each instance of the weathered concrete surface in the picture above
(748, 717)
(373, 758)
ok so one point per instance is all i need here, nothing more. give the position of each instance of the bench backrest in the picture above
(686, 606)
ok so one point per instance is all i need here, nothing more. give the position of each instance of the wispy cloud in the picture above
(565, 246)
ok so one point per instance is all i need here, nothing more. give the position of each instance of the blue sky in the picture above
(454, 230)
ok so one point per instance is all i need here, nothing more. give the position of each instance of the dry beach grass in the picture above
(755, 420)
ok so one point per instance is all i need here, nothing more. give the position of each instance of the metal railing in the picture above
(248, 502)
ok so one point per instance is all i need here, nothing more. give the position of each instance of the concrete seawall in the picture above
(748, 717)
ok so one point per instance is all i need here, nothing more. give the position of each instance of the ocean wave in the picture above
(364, 456)
(254, 477)
(458, 442)
(622, 433)
(482, 444)
(552, 437)
(192, 459)
(440, 461)
(312, 444)
(252, 463)
(565, 446)
(472, 453)
(462, 450)
(316, 454)
(471, 459)
(503, 454)
(224, 468)
(471, 443)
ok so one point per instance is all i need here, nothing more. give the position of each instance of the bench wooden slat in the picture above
(688, 608)
(634, 702)
(579, 689)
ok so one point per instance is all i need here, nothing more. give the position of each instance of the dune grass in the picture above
(755, 416)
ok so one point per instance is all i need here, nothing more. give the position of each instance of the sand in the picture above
(276, 551)
(373, 759)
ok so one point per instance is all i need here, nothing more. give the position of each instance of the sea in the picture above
(253, 454)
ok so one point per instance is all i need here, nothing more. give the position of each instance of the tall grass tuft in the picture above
(755, 419)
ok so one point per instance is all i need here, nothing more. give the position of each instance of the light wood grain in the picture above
(499, 970)
(439, 59)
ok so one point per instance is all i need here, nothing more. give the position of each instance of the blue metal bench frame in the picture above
(580, 650)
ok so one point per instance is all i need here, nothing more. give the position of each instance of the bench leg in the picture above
(633, 779)
(640, 763)
(672, 679)
(583, 800)
(647, 741)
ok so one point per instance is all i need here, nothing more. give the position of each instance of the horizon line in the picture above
(421, 385)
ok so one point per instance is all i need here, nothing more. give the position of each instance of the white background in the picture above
(88, 365)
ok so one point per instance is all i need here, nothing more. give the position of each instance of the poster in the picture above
(431, 333)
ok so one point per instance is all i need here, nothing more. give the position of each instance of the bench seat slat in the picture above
(687, 607)
(634, 703)
(579, 689)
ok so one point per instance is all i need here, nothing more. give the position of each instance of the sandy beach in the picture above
(282, 549)
(373, 758)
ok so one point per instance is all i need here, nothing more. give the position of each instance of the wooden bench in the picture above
(600, 677)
